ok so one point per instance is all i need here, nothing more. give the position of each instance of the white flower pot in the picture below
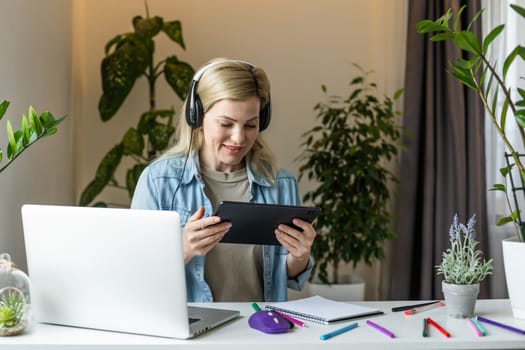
(514, 263)
(460, 299)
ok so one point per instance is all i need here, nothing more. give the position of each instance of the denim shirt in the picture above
(155, 190)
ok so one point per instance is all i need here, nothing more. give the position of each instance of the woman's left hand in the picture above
(298, 244)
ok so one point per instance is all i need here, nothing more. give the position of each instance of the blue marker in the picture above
(339, 331)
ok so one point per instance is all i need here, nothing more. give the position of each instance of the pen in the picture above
(408, 307)
(479, 326)
(423, 308)
(338, 331)
(425, 333)
(290, 318)
(256, 307)
(474, 327)
(438, 327)
(381, 329)
(501, 325)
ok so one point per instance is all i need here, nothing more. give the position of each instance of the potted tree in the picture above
(487, 78)
(346, 157)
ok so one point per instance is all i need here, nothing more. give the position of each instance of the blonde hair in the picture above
(228, 79)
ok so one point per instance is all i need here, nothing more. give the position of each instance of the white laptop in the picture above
(111, 269)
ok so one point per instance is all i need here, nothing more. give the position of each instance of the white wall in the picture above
(35, 69)
(301, 44)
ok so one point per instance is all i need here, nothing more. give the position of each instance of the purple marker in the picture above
(381, 329)
(501, 325)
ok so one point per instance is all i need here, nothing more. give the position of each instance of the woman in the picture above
(220, 155)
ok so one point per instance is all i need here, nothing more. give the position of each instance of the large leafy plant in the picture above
(486, 77)
(346, 155)
(33, 127)
(129, 57)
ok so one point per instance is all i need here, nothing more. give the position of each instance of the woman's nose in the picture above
(238, 135)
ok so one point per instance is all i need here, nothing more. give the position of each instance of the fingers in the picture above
(202, 234)
(298, 243)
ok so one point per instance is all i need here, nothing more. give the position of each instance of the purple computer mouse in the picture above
(268, 322)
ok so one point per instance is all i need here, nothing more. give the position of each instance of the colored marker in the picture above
(425, 326)
(479, 326)
(338, 331)
(290, 318)
(438, 327)
(256, 307)
(381, 329)
(412, 306)
(473, 326)
(424, 308)
(501, 325)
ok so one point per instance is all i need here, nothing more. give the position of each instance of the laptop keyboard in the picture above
(193, 320)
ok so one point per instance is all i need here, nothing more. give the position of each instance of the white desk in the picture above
(238, 335)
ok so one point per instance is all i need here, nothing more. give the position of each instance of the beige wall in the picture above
(301, 44)
(35, 69)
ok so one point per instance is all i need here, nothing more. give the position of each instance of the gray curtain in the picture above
(443, 167)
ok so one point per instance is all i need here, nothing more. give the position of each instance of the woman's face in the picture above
(230, 128)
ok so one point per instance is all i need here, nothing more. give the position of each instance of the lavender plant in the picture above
(462, 263)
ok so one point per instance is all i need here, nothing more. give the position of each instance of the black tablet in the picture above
(254, 223)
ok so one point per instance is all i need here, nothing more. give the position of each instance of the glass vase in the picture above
(15, 302)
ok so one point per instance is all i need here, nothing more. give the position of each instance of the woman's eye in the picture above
(226, 125)
(251, 126)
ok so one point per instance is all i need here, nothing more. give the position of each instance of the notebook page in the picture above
(317, 308)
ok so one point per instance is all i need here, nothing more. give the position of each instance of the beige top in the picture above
(234, 272)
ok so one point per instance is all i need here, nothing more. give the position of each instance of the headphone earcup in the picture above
(265, 116)
(193, 110)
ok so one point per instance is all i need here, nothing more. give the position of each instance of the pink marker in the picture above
(474, 327)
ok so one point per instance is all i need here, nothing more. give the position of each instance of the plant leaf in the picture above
(178, 74)
(119, 72)
(520, 10)
(3, 108)
(467, 41)
(132, 177)
(518, 51)
(498, 187)
(160, 135)
(173, 30)
(104, 174)
(133, 142)
(491, 36)
(147, 26)
(427, 26)
(11, 148)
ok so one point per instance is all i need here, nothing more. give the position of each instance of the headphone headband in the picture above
(194, 111)
(201, 71)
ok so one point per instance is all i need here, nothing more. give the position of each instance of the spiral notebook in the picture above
(321, 310)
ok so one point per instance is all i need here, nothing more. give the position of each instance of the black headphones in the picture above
(194, 111)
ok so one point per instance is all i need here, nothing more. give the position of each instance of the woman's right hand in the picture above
(202, 234)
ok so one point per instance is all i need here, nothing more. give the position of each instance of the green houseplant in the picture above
(463, 268)
(345, 154)
(487, 78)
(129, 57)
(483, 74)
(33, 127)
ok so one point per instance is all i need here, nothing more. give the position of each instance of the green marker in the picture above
(256, 307)
(425, 334)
